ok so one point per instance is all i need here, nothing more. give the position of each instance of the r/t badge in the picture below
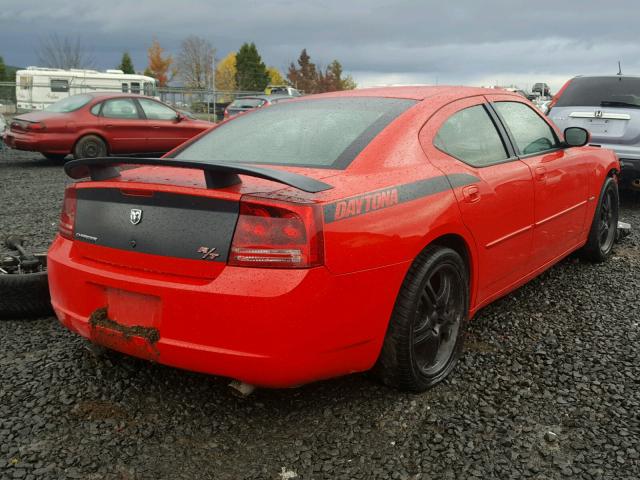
(208, 253)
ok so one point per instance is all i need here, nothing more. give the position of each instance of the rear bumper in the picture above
(629, 160)
(267, 327)
(629, 169)
(20, 142)
(40, 142)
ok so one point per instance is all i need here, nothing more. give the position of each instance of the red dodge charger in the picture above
(101, 124)
(332, 234)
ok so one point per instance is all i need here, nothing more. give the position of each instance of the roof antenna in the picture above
(619, 68)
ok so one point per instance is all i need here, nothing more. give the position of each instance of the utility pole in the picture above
(213, 84)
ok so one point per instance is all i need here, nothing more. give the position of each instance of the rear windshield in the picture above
(247, 103)
(326, 133)
(616, 91)
(69, 104)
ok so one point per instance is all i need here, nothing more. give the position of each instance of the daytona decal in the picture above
(388, 197)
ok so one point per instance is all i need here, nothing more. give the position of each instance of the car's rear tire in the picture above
(426, 331)
(56, 157)
(90, 146)
(602, 234)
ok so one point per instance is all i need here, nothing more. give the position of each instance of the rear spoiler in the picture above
(216, 175)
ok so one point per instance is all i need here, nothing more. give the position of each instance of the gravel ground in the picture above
(548, 388)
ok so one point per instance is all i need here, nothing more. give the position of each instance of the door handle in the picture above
(471, 193)
(540, 174)
(108, 126)
(155, 126)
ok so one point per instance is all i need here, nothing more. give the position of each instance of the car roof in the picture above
(613, 75)
(415, 93)
(105, 95)
(263, 97)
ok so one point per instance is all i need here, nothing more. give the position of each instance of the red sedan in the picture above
(100, 124)
(365, 234)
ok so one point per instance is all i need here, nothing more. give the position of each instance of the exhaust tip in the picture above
(241, 389)
(636, 183)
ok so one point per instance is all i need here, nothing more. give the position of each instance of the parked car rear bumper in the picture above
(629, 160)
(41, 142)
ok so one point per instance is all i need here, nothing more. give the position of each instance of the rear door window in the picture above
(120, 108)
(618, 91)
(470, 136)
(530, 132)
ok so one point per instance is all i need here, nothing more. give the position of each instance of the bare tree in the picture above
(195, 62)
(63, 52)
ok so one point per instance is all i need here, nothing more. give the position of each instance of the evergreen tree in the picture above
(126, 65)
(305, 76)
(251, 72)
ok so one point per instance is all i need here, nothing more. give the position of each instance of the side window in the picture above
(470, 136)
(135, 87)
(95, 110)
(530, 132)
(156, 111)
(120, 108)
(125, 88)
(59, 85)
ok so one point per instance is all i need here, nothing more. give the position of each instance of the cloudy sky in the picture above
(471, 42)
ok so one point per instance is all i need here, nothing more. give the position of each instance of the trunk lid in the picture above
(163, 220)
(154, 230)
(21, 122)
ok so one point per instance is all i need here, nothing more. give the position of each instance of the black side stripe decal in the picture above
(388, 197)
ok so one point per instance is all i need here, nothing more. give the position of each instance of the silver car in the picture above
(609, 108)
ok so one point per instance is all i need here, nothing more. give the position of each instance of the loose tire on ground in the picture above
(24, 295)
(425, 315)
(602, 234)
(90, 146)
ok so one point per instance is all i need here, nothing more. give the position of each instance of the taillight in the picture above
(36, 127)
(272, 233)
(68, 214)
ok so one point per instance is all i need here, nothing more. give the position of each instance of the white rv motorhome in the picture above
(37, 87)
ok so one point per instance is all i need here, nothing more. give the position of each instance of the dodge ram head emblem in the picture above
(135, 216)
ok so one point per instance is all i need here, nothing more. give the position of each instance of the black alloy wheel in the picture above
(439, 316)
(602, 235)
(426, 331)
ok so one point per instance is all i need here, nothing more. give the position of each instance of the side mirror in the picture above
(576, 137)
(179, 117)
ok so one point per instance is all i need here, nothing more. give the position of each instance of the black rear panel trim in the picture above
(170, 225)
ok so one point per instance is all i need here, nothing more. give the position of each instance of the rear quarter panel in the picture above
(390, 203)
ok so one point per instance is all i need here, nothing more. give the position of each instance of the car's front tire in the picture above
(602, 234)
(426, 330)
(90, 146)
